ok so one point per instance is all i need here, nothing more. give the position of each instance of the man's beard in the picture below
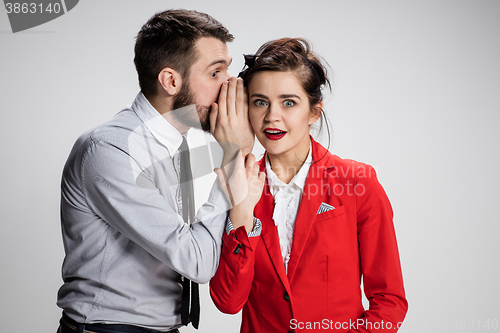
(188, 113)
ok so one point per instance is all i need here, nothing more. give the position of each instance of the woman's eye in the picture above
(214, 74)
(288, 103)
(260, 102)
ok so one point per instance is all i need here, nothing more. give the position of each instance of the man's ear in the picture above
(170, 80)
(316, 112)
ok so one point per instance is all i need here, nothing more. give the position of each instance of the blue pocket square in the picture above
(324, 208)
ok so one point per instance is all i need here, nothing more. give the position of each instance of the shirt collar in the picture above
(298, 180)
(161, 129)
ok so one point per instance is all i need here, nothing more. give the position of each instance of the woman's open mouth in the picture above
(274, 133)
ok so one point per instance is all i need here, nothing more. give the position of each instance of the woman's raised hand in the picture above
(243, 189)
(229, 122)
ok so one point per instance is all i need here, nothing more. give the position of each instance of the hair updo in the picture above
(290, 55)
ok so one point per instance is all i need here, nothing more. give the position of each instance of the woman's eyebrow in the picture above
(280, 96)
(289, 96)
(259, 95)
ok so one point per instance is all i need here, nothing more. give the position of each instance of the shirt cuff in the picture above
(257, 227)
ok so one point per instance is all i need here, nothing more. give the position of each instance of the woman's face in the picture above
(280, 113)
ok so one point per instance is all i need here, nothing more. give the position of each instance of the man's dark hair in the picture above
(168, 40)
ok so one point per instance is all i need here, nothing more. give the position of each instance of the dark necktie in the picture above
(187, 192)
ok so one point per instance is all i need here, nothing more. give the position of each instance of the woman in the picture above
(326, 222)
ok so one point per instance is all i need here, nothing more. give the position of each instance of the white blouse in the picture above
(286, 204)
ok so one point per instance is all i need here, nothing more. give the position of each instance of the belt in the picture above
(76, 327)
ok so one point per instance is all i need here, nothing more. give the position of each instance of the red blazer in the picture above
(331, 252)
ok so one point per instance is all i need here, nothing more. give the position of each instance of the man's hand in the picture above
(229, 122)
(243, 189)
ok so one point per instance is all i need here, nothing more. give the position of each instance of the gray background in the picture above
(416, 93)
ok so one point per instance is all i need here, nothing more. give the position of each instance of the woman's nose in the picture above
(273, 113)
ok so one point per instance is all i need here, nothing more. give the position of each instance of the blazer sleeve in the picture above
(380, 265)
(231, 285)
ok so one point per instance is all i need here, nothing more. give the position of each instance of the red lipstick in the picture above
(274, 133)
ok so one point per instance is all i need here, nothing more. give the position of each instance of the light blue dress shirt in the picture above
(125, 240)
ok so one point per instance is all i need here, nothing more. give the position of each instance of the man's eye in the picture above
(260, 102)
(215, 74)
(288, 103)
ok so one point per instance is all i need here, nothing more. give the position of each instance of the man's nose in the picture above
(226, 76)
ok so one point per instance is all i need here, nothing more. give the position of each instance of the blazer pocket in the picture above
(329, 214)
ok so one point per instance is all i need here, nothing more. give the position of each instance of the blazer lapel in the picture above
(264, 211)
(315, 190)
(306, 216)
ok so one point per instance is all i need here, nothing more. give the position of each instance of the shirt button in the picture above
(237, 249)
(286, 297)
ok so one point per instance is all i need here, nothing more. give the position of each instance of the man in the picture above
(124, 203)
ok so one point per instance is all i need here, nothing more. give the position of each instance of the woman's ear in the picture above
(315, 112)
(170, 80)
